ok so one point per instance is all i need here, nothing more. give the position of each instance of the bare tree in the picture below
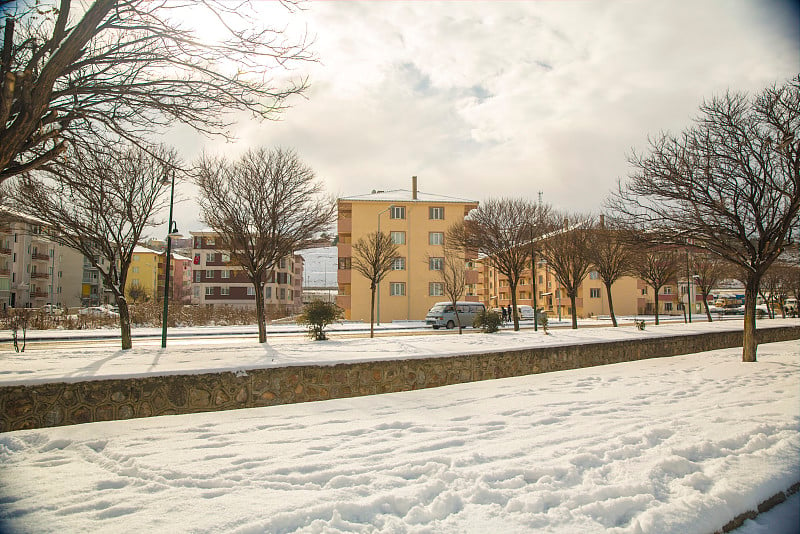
(730, 183)
(769, 289)
(373, 256)
(793, 282)
(567, 253)
(69, 73)
(708, 270)
(263, 206)
(657, 267)
(502, 231)
(610, 255)
(99, 203)
(452, 274)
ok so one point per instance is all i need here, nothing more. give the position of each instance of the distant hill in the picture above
(319, 267)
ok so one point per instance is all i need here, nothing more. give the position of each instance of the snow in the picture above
(669, 445)
(79, 361)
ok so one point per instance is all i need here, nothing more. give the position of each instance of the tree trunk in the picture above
(124, 322)
(610, 304)
(513, 289)
(458, 317)
(705, 304)
(372, 312)
(262, 326)
(572, 295)
(749, 343)
(656, 290)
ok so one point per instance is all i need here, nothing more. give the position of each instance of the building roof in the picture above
(404, 195)
(138, 249)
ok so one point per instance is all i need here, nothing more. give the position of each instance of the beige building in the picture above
(35, 270)
(417, 222)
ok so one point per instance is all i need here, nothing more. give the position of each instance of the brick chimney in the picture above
(413, 188)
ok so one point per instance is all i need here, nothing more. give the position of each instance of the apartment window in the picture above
(283, 293)
(436, 238)
(225, 273)
(594, 275)
(210, 257)
(594, 293)
(667, 306)
(345, 264)
(282, 263)
(267, 292)
(436, 289)
(134, 270)
(289, 294)
(134, 258)
(435, 264)
(135, 282)
(398, 238)
(197, 276)
(397, 289)
(209, 290)
(668, 290)
(397, 212)
(226, 257)
(251, 291)
(209, 274)
(436, 213)
(399, 264)
(224, 290)
(210, 241)
(644, 291)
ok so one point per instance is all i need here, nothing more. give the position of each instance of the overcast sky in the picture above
(486, 99)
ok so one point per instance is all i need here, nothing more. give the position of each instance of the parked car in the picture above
(443, 314)
(525, 312)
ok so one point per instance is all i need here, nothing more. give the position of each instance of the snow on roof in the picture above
(404, 195)
(138, 249)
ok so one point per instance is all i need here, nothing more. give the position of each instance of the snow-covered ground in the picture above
(79, 361)
(669, 445)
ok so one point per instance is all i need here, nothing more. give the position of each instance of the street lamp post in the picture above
(378, 289)
(172, 231)
(688, 287)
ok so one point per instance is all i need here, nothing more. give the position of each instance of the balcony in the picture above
(345, 225)
(5, 251)
(38, 294)
(5, 272)
(39, 256)
(40, 275)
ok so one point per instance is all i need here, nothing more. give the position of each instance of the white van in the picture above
(443, 314)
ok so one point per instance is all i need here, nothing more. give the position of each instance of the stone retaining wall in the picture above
(56, 404)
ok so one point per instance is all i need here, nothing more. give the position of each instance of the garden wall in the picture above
(57, 404)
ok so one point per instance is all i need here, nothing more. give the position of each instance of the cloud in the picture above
(508, 99)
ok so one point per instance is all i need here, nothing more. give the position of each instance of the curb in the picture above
(765, 506)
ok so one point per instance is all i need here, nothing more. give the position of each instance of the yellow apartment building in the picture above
(143, 272)
(417, 222)
(631, 295)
